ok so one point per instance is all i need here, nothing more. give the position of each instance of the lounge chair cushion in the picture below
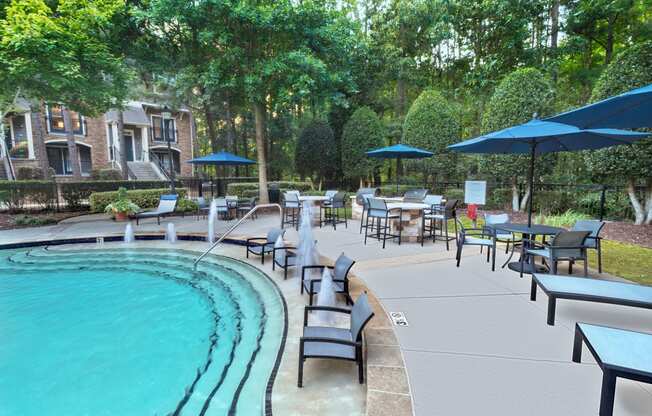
(326, 349)
(543, 252)
(338, 286)
(508, 236)
(478, 241)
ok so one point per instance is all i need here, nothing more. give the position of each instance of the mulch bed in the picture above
(625, 232)
(7, 221)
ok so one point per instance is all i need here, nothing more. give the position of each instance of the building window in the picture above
(60, 162)
(55, 120)
(163, 129)
(16, 137)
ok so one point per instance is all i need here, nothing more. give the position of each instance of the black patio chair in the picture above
(481, 236)
(260, 246)
(415, 195)
(244, 206)
(565, 246)
(442, 214)
(494, 221)
(336, 343)
(379, 213)
(291, 209)
(330, 213)
(593, 241)
(428, 222)
(284, 257)
(340, 269)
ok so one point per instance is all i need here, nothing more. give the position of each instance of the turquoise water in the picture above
(134, 332)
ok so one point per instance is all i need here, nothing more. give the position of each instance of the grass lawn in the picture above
(625, 260)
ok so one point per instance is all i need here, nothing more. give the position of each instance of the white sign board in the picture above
(475, 192)
(398, 318)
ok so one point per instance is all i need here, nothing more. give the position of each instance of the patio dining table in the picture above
(410, 220)
(528, 232)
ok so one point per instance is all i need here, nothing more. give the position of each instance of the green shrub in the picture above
(630, 69)
(106, 175)
(565, 219)
(186, 205)
(144, 198)
(32, 221)
(364, 131)
(19, 194)
(122, 204)
(250, 189)
(432, 124)
(315, 153)
(515, 100)
(29, 173)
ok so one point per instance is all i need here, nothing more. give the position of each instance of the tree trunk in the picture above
(245, 144)
(210, 125)
(554, 24)
(639, 212)
(515, 196)
(39, 141)
(73, 155)
(648, 201)
(526, 198)
(123, 146)
(609, 47)
(259, 115)
(230, 132)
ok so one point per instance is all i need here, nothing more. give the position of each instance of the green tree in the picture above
(630, 69)
(364, 131)
(432, 124)
(58, 52)
(522, 95)
(316, 153)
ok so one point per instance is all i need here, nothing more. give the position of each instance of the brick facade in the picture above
(95, 138)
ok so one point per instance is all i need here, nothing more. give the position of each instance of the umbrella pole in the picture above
(398, 161)
(531, 183)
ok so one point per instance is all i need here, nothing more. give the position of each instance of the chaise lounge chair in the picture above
(619, 353)
(166, 206)
(590, 290)
(335, 343)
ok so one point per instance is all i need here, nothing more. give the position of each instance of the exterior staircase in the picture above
(145, 171)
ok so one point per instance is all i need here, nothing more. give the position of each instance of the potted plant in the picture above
(122, 207)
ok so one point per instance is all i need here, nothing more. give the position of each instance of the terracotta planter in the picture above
(121, 216)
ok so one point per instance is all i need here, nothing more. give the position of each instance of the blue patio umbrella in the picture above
(398, 152)
(629, 110)
(222, 159)
(540, 136)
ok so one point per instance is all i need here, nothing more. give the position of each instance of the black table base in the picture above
(527, 267)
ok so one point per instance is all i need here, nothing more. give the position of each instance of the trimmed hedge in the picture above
(18, 194)
(144, 198)
(250, 189)
(75, 194)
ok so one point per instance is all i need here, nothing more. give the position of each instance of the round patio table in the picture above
(528, 232)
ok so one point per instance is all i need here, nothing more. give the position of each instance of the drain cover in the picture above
(398, 318)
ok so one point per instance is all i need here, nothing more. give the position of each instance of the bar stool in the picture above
(332, 211)
(291, 209)
(379, 213)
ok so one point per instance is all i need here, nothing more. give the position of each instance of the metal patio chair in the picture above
(481, 236)
(340, 269)
(565, 246)
(379, 213)
(593, 241)
(260, 246)
(336, 343)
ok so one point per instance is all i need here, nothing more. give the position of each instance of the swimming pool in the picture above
(134, 332)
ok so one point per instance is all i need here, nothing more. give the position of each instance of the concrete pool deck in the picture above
(475, 343)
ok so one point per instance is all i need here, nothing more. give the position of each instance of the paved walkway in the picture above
(475, 344)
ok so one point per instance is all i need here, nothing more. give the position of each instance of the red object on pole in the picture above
(472, 212)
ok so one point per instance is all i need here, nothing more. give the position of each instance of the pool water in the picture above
(134, 332)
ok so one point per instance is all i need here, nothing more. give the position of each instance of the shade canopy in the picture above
(545, 137)
(629, 110)
(399, 151)
(222, 158)
(540, 136)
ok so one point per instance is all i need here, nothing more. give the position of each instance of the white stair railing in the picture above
(244, 217)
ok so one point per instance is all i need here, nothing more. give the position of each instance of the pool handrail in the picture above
(244, 217)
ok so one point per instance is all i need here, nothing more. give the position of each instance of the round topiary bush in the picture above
(520, 96)
(433, 124)
(630, 69)
(316, 151)
(364, 131)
